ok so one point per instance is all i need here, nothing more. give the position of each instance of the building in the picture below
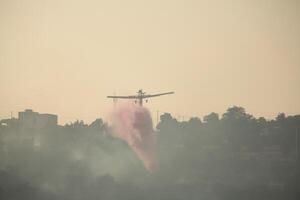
(30, 119)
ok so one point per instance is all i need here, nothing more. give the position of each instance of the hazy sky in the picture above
(65, 56)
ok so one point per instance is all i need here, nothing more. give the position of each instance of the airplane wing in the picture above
(156, 95)
(123, 97)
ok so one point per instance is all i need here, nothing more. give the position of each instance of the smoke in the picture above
(133, 124)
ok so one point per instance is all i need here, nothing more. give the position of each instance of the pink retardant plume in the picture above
(133, 124)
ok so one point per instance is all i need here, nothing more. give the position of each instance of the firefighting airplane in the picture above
(140, 96)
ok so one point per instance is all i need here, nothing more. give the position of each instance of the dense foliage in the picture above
(235, 156)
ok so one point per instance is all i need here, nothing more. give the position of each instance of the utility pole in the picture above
(157, 115)
(297, 144)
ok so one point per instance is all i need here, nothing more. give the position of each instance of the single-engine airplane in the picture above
(139, 97)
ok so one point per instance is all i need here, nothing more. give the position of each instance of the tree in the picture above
(240, 128)
(211, 118)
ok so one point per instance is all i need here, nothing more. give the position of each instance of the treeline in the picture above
(233, 156)
(235, 129)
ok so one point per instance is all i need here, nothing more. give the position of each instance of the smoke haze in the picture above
(231, 132)
(232, 157)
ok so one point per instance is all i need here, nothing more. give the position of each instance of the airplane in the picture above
(139, 97)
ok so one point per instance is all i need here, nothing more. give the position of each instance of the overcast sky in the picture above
(66, 56)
